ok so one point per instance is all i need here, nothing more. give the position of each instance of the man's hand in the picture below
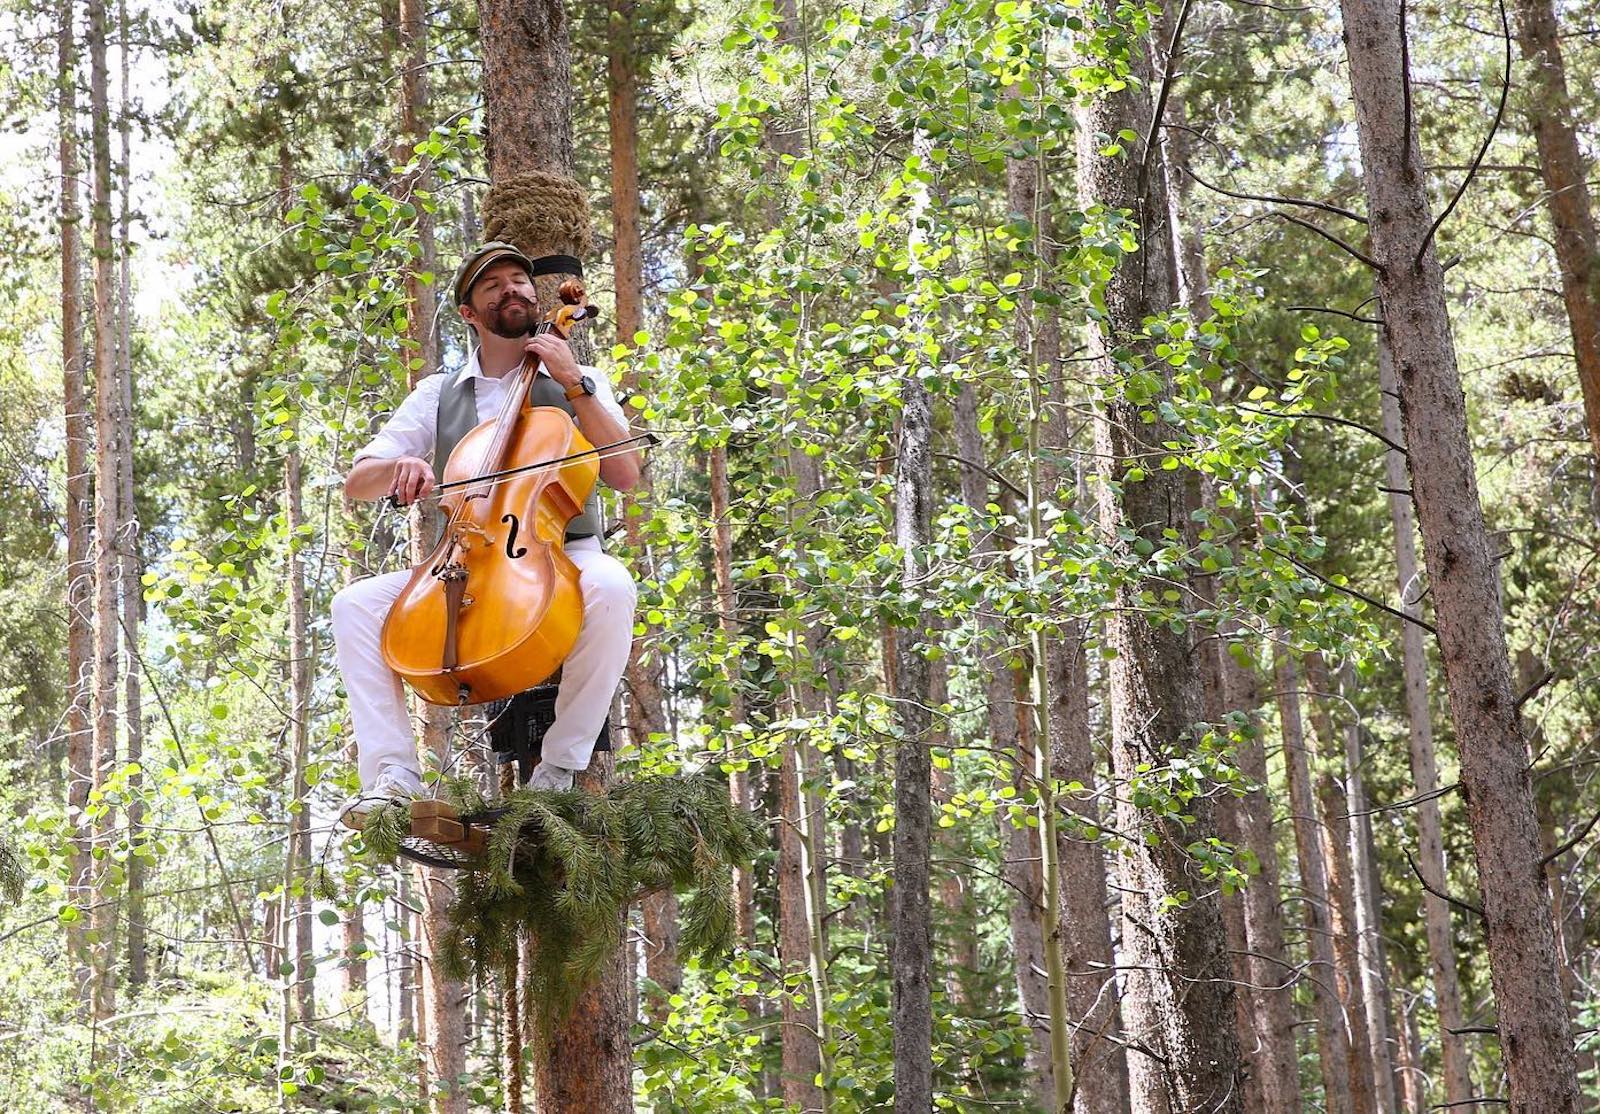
(413, 480)
(556, 356)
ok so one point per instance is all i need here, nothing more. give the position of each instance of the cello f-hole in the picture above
(512, 549)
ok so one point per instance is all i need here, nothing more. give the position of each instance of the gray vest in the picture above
(458, 414)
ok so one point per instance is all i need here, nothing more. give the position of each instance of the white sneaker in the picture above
(548, 776)
(393, 784)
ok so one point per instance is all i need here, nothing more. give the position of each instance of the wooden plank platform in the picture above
(439, 823)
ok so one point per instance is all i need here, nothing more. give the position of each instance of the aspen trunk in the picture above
(1179, 998)
(1532, 1019)
(354, 926)
(910, 919)
(80, 568)
(302, 651)
(744, 910)
(1419, 734)
(107, 511)
(1566, 195)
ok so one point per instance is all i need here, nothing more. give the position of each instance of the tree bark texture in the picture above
(1179, 999)
(1333, 819)
(302, 651)
(1534, 1031)
(1021, 865)
(1333, 1042)
(910, 918)
(1271, 976)
(744, 911)
(128, 537)
(527, 90)
(75, 404)
(1368, 925)
(107, 510)
(1550, 117)
(1419, 736)
(353, 928)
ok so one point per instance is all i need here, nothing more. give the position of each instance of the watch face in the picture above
(587, 384)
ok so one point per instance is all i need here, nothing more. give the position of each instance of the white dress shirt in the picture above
(411, 428)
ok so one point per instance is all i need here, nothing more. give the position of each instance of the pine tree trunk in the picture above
(1083, 935)
(1333, 1042)
(132, 590)
(528, 114)
(80, 569)
(1210, 649)
(645, 716)
(107, 514)
(1327, 756)
(1368, 926)
(441, 1024)
(1271, 976)
(1021, 865)
(1567, 195)
(1419, 733)
(1179, 995)
(1534, 1031)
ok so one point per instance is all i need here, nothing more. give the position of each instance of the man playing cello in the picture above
(494, 293)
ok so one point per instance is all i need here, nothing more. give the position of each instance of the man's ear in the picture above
(467, 315)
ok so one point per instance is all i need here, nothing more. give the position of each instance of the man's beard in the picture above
(511, 319)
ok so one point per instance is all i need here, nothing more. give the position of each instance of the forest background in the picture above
(1032, 546)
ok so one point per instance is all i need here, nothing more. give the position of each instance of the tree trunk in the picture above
(911, 958)
(107, 514)
(744, 910)
(1368, 925)
(1271, 976)
(80, 569)
(128, 539)
(354, 927)
(1021, 866)
(645, 716)
(1334, 820)
(1419, 732)
(1333, 1042)
(302, 652)
(440, 1021)
(1534, 1030)
(1179, 994)
(1566, 186)
(527, 66)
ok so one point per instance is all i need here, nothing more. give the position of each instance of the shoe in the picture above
(393, 784)
(548, 776)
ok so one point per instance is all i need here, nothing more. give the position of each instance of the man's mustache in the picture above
(501, 304)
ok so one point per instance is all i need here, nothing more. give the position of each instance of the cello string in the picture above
(478, 486)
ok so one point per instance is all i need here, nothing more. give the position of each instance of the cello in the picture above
(496, 607)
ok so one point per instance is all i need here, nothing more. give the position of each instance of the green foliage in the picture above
(563, 867)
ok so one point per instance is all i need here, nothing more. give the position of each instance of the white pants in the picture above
(589, 676)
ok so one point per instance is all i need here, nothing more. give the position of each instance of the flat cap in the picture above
(480, 260)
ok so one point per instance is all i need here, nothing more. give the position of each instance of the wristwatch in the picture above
(584, 386)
